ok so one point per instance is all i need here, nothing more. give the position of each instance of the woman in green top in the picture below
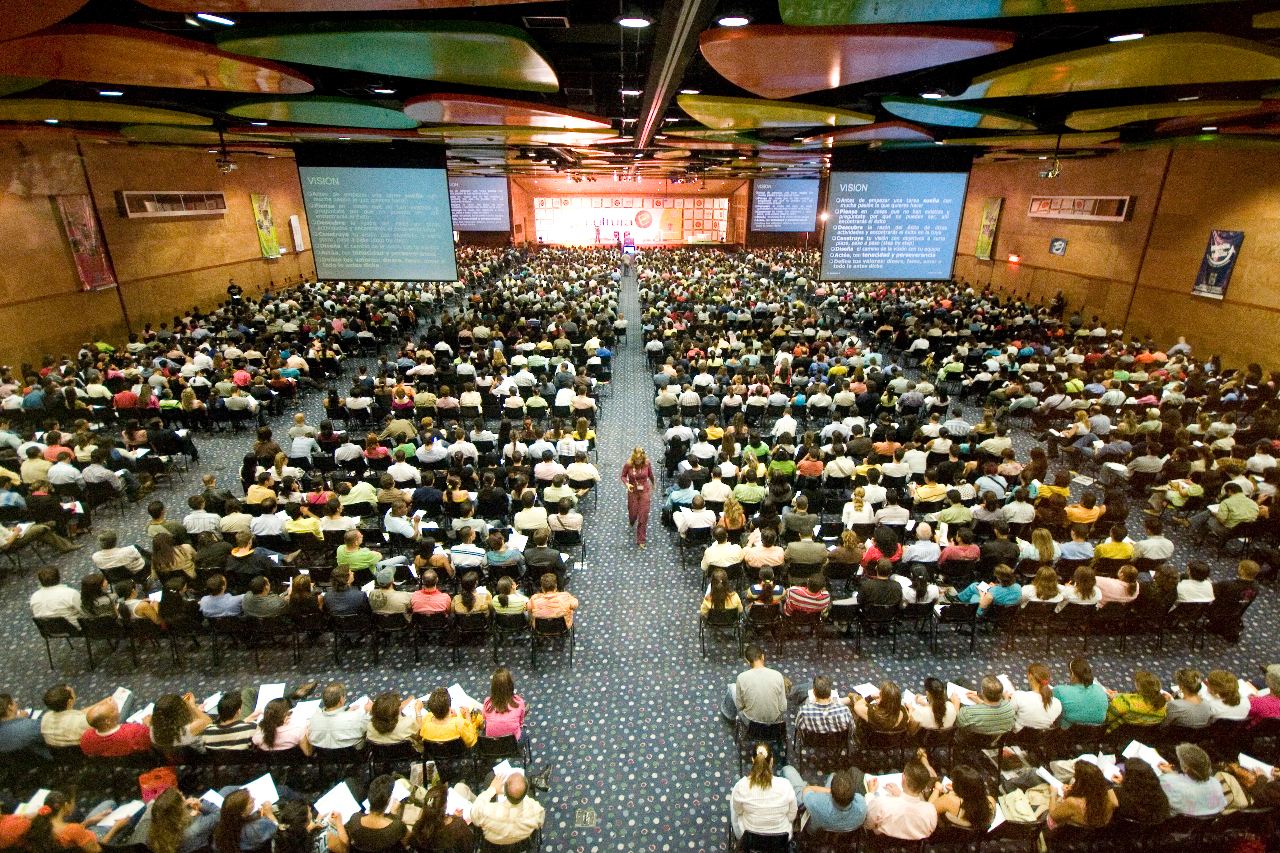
(1144, 707)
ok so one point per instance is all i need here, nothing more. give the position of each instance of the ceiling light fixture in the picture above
(258, 123)
(1190, 98)
(633, 21)
(110, 93)
(382, 90)
(734, 21)
(691, 91)
(215, 19)
(630, 93)
(931, 96)
(1127, 37)
(344, 138)
(1210, 128)
(51, 121)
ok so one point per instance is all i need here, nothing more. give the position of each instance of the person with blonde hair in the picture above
(1223, 696)
(637, 476)
(761, 803)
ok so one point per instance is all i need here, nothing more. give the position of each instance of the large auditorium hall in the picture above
(432, 426)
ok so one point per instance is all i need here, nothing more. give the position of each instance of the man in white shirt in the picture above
(696, 515)
(53, 600)
(397, 520)
(1155, 546)
(716, 489)
(402, 472)
(1196, 587)
(722, 553)
(200, 520)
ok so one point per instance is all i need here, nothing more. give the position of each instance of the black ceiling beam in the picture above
(681, 23)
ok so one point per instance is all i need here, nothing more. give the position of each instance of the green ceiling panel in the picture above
(42, 109)
(933, 112)
(812, 13)
(465, 52)
(331, 111)
(10, 85)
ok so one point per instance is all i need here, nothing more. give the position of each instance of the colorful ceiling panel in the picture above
(1041, 142)
(331, 111)
(239, 7)
(821, 58)
(470, 134)
(43, 109)
(948, 115)
(1106, 117)
(123, 56)
(468, 53)
(879, 132)
(20, 17)
(1177, 59)
(754, 114)
(813, 13)
(477, 109)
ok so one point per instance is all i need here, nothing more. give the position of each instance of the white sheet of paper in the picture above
(1105, 764)
(400, 792)
(1246, 689)
(141, 714)
(303, 711)
(339, 799)
(876, 784)
(211, 704)
(129, 809)
(957, 690)
(1053, 781)
(32, 806)
(263, 790)
(458, 698)
(505, 768)
(267, 692)
(213, 798)
(1250, 763)
(997, 818)
(1005, 683)
(359, 703)
(121, 696)
(1145, 753)
(456, 804)
(866, 691)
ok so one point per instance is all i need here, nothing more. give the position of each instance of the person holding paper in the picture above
(1087, 801)
(62, 724)
(1223, 696)
(437, 832)
(513, 817)
(966, 802)
(762, 803)
(177, 723)
(1140, 798)
(392, 720)
(1193, 790)
(1190, 710)
(243, 825)
(335, 726)
(53, 829)
(903, 813)
(176, 824)
(442, 724)
(885, 714)
(375, 831)
(991, 715)
(109, 738)
(279, 730)
(1144, 707)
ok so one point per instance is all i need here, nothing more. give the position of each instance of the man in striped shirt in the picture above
(823, 714)
(810, 598)
(991, 715)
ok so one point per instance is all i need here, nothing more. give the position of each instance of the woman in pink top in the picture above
(278, 730)
(637, 474)
(1121, 589)
(503, 710)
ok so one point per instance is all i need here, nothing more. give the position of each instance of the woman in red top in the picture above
(52, 828)
(637, 474)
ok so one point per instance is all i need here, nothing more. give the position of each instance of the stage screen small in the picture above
(784, 204)
(900, 226)
(479, 204)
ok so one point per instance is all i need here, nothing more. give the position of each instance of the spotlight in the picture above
(1127, 37)
(215, 19)
(734, 21)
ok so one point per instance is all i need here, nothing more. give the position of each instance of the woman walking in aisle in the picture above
(637, 475)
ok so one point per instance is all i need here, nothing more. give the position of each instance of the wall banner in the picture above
(1218, 262)
(987, 230)
(88, 247)
(268, 240)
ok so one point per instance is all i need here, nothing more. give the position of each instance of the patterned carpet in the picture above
(632, 728)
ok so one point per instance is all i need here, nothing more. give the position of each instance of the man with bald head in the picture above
(510, 818)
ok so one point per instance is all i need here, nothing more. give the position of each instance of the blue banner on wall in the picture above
(1218, 262)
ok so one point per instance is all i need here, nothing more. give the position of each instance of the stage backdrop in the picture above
(603, 220)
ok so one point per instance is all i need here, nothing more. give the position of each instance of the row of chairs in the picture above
(385, 633)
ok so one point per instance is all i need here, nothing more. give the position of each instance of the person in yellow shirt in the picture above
(302, 521)
(1115, 548)
(439, 725)
(260, 490)
(1061, 486)
(1087, 511)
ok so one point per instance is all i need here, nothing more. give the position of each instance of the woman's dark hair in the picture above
(1140, 795)
(766, 586)
(935, 690)
(424, 831)
(385, 713)
(438, 703)
(886, 541)
(969, 786)
(379, 793)
(468, 594)
(294, 834)
(234, 817)
(273, 717)
(92, 587)
(163, 555)
(502, 691)
(168, 720)
(505, 587)
(1090, 785)
(719, 589)
(887, 714)
(39, 838)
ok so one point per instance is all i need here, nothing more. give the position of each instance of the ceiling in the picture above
(537, 88)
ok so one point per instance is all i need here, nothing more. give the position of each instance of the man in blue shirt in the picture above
(836, 807)
(219, 602)
(18, 731)
(1084, 701)
(1078, 548)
